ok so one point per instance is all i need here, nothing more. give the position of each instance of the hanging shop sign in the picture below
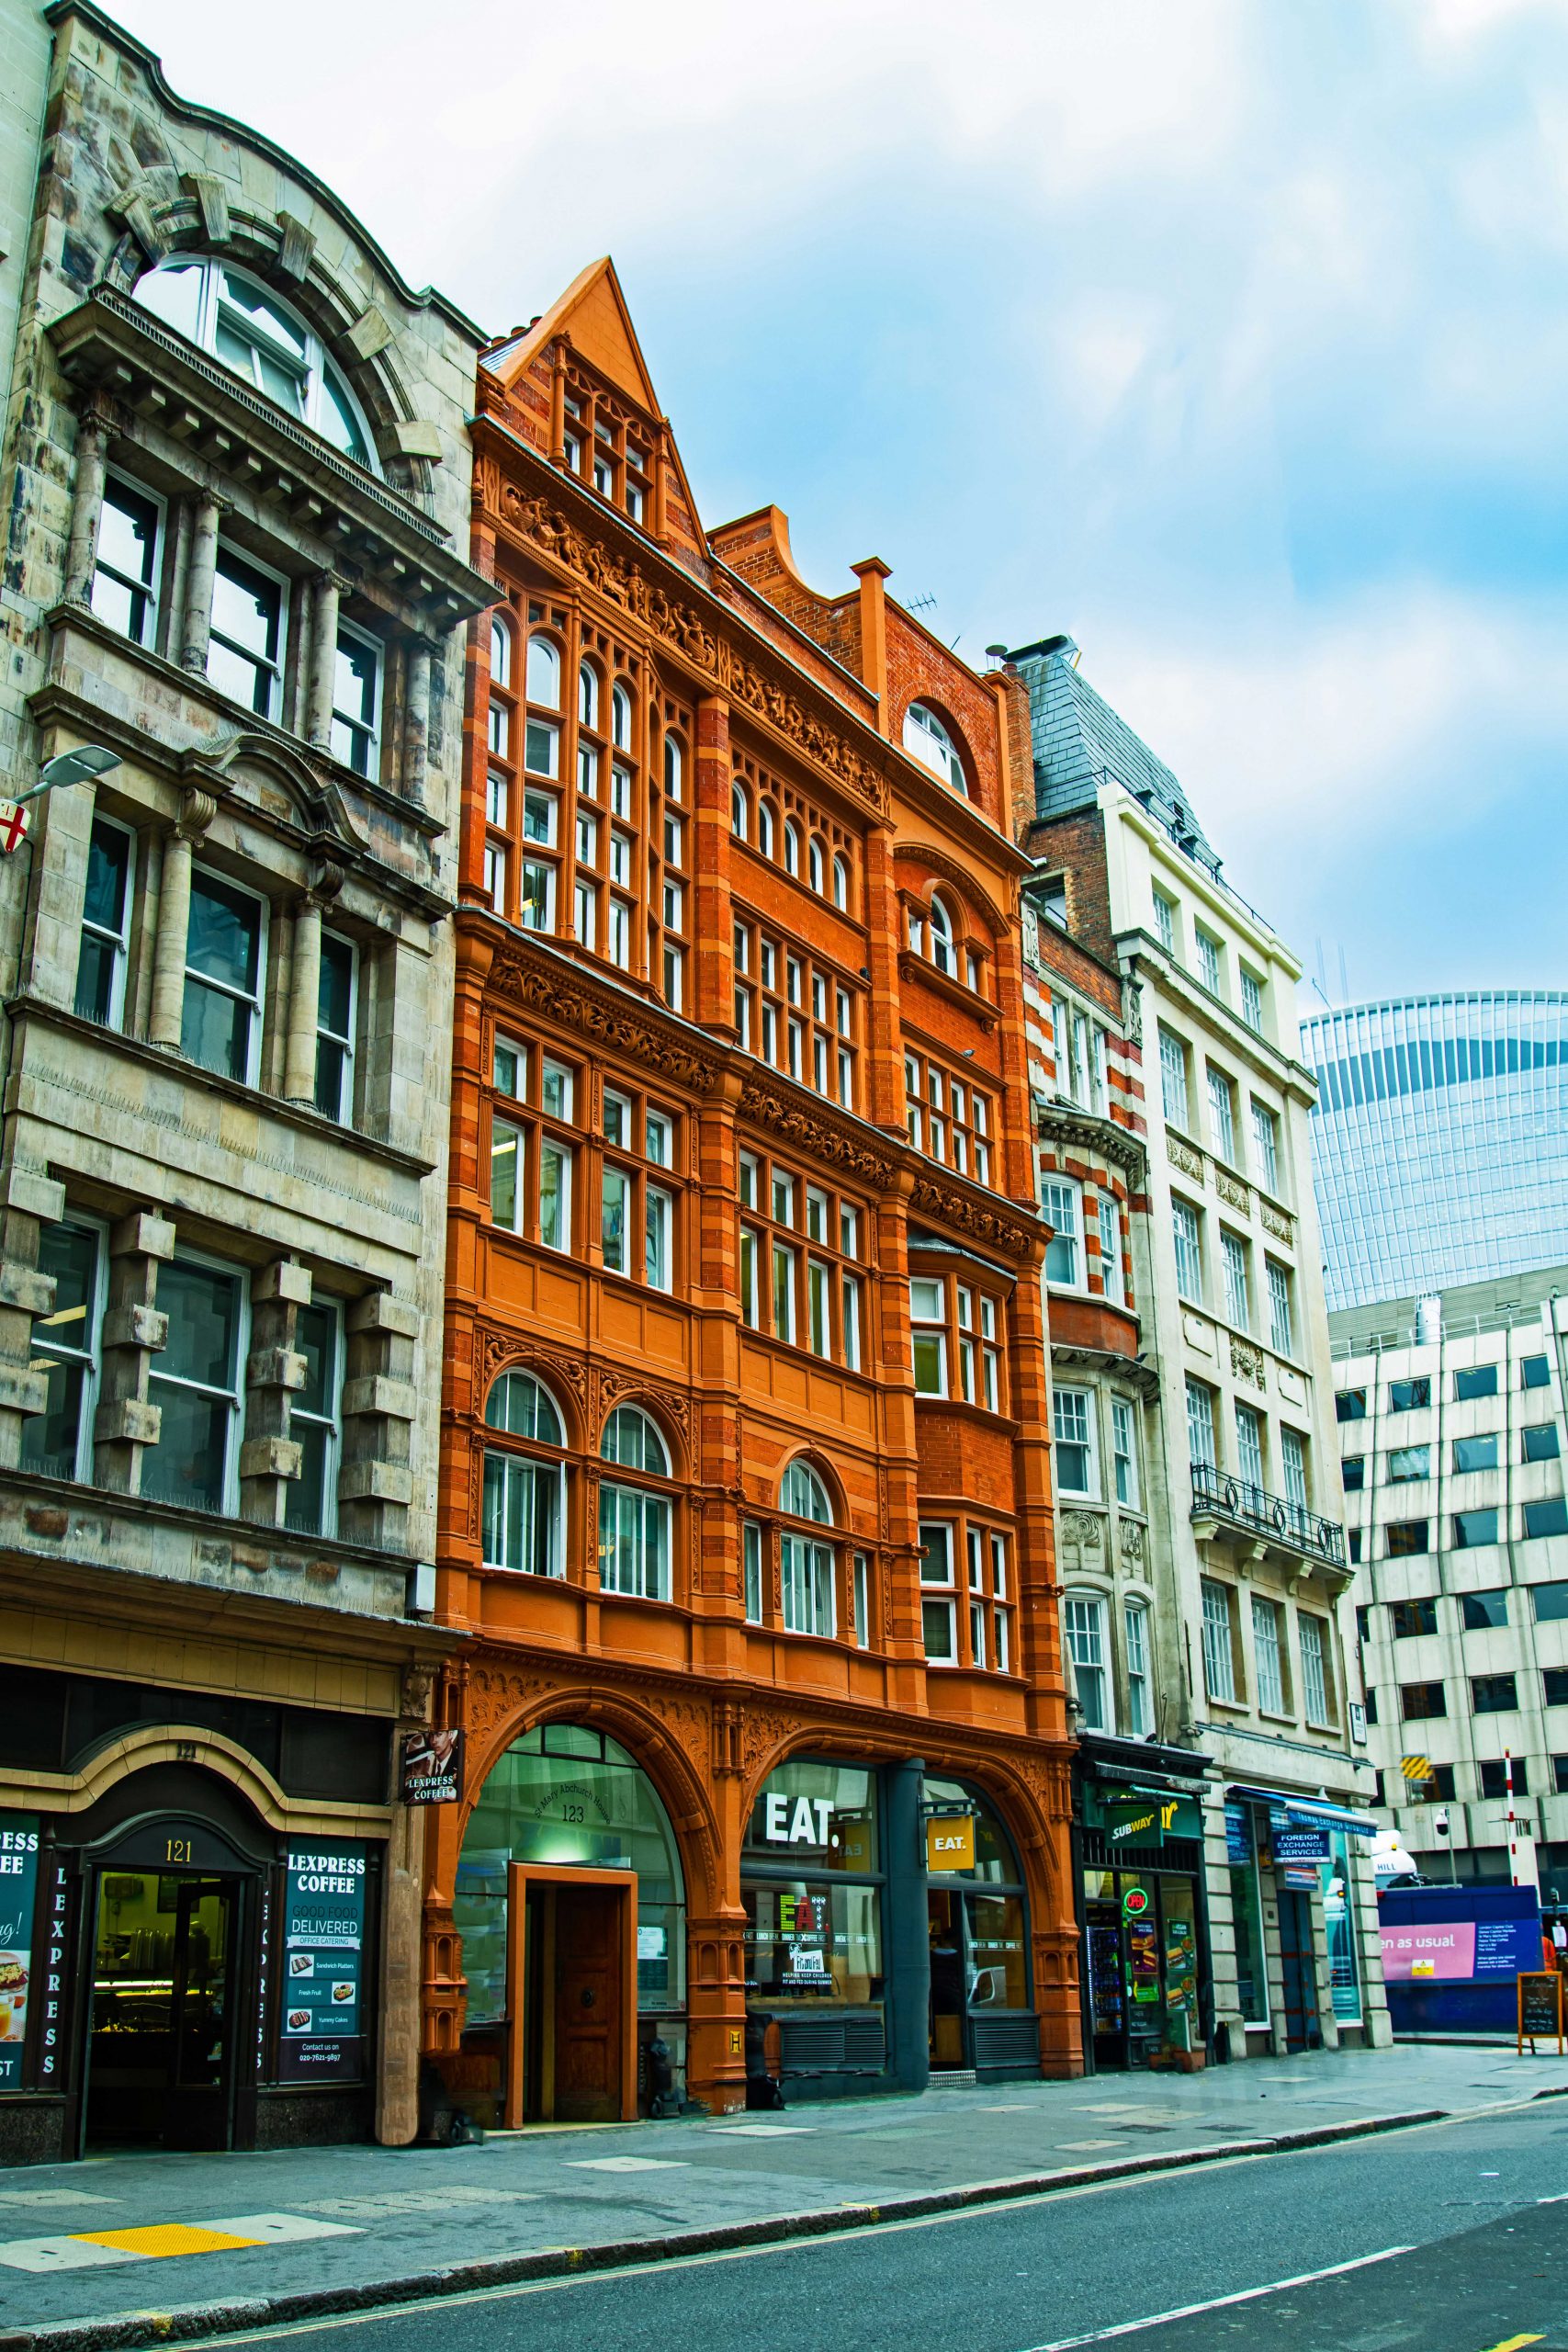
(1239, 1836)
(431, 1767)
(18, 1890)
(1301, 1876)
(1293, 1841)
(1131, 1816)
(949, 1842)
(323, 1994)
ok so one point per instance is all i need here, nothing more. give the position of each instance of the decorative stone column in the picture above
(28, 1200)
(87, 505)
(304, 1004)
(376, 1484)
(196, 631)
(323, 662)
(270, 1457)
(169, 948)
(133, 1333)
(416, 719)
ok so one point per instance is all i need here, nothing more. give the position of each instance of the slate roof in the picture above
(1080, 741)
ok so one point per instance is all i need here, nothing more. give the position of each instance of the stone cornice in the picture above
(1099, 1139)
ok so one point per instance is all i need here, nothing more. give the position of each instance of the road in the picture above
(1459, 2232)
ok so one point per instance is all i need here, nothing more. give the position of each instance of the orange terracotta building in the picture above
(746, 1509)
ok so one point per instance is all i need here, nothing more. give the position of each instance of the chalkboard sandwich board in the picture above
(1540, 2006)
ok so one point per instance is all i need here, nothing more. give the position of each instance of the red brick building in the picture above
(746, 1507)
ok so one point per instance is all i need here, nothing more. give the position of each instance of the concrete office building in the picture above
(1452, 1442)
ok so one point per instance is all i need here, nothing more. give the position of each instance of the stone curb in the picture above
(196, 2323)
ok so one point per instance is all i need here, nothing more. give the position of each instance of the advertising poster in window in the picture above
(18, 1886)
(322, 1994)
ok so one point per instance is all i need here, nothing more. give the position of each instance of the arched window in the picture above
(674, 766)
(621, 718)
(928, 741)
(802, 1495)
(841, 883)
(257, 335)
(944, 952)
(544, 673)
(816, 865)
(500, 653)
(633, 1525)
(765, 826)
(525, 1493)
(739, 812)
(808, 1567)
(588, 696)
(791, 846)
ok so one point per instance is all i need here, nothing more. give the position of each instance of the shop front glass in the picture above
(977, 1923)
(564, 1794)
(1141, 1929)
(812, 1888)
(1247, 1910)
(1339, 1924)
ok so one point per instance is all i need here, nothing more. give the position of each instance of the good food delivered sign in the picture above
(322, 2026)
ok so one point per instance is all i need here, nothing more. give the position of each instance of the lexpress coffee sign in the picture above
(323, 1947)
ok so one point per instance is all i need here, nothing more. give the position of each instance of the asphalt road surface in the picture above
(1450, 2238)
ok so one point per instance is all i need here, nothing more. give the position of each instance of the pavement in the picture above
(224, 2243)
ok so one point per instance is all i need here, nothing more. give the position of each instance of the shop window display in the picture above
(811, 1885)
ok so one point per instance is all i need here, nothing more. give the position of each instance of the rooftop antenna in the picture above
(922, 604)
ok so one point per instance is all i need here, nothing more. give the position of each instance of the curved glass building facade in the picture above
(1440, 1140)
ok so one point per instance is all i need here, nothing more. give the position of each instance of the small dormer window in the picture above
(256, 334)
(928, 741)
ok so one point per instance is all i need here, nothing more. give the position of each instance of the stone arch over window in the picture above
(803, 1493)
(791, 846)
(933, 740)
(841, 882)
(817, 864)
(633, 1440)
(739, 812)
(500, 651)
(674, 766)
(522, 1524)
(943, 931)
(588, 696)
(621, 716)
(767, 820)
(263, 338)
(520, 1404)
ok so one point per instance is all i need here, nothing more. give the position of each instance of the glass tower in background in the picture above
(1438, 1140)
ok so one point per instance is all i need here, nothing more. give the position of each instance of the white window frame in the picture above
(117, 942)
(1173, 1081)
(1140, 1681)
(1114, 1272)
(1061, 1202)
(344, 1114)
(1282, 1308)
(1219, 1642)
(152, 590)
(1124, 1453)
(221, 987)
(1087, 1643)
(331, 1421)
(1268, 1658)
(87, 1357)
(229, 1505)
(1074, 1425)
(370, 730)
(1236, 1277)
(1316, 1694)
(938, 1592)
(1186, 1240)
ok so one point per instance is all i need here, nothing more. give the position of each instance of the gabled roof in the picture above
(1080, 741)
(593, 317)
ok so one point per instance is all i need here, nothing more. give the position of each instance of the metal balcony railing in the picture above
(1217, 1495)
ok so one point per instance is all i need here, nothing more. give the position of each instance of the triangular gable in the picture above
(593, 317)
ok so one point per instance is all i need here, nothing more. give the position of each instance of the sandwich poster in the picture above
(18, 1883)
(322, 1990)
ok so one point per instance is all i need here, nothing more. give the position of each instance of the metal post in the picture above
(909, 1936)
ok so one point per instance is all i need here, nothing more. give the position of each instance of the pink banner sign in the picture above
(1437, 1949)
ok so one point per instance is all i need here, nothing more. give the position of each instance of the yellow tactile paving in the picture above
(165, 2237)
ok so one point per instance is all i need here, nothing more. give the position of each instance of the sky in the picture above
(1230, 336)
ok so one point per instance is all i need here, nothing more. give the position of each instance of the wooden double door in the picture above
(571, 1969)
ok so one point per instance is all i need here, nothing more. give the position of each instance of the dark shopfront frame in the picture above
(1178, 1858)
(184, 1824)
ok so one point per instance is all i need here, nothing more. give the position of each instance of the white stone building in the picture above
(1251, 1653)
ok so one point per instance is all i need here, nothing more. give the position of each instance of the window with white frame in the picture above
(1072, 1425)
(751, 1570)
(336, 991)
(928, 1336)
(1249, 1445)
(1292, 1465)
(104, 947)
(524, 1486)
(1165, 922)
(1267, 1654)
(1222, 1112)
(1083, 1616)
(1265, 1147)
(808, 1565)
(1140, 1689)
(311, 1501)
(938, 1604)
(1187, 1234)
(634, 1524)
(1219, 1648)
(1281, 1309)
(252, 330)
(1173, 1079)
(1124, 1453)
(1237, 1287)
(1200, 1424)
(225, 951)
(1315, 1690)
(1209, 966)
(58, 1443)
(1112, 1271)
(928, 741)
(245, 653)
(356, 701)
(990, 1617)
(195, 1385)
(1062, 1202)
(1251, 999)
(127, 576)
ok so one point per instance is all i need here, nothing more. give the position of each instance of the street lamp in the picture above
(72, 767)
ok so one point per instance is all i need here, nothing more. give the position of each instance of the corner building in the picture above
(745, 1495)
(236, 486)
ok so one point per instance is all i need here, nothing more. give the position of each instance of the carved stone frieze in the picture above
(680, 624)
(1182, 1156)
(841, 1146)
(1081, 1132)
(1276, 1222)
(544, 988)
(1132, 1540)
(1246, 1362)
(995, 1225)
(1232, 1190)
(1084, 1529)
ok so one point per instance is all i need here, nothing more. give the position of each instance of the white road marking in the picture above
(762, 2131)
(281, 2229)
(44, 2255)
(1220, 2303)
(1082, 2147)
(627, 2163)
(53, 2196)
(371, 2208)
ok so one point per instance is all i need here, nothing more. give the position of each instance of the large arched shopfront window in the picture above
(982, 2010)
(564, 1794)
